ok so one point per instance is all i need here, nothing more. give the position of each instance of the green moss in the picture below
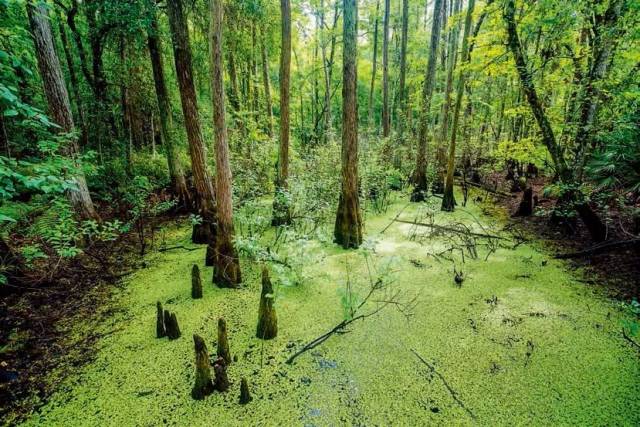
(548, 352)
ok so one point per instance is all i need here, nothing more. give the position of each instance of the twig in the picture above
(452, 392)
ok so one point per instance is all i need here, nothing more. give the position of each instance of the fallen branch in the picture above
(171, 248)
(394, 218)
(601, 248)
(452, 392)
(492, 191)
(628, 338)
(452, 229)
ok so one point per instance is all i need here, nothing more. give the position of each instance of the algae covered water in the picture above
(517, 340)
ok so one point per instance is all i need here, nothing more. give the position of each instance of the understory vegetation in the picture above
(354, 212)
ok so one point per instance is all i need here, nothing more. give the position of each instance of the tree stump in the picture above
(171, 325)
(203, 385)
(267, 319)
(526, 204)
(160, 326)
(245, 395)
(196, 283)
(223, 341)
(222, 380)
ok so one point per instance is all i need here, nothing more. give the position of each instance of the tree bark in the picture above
(402, 92)
(386, 114)
(420, 178)
(348, 227)
(267, 85)
(178, 181)
(281, 208)
(448, 200)
(205, 200)
(74, 81)
(226, 262)
(58, 102)
(374, 67)
(452, 57)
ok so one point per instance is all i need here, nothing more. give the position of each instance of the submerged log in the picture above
(245, 395)
(267, 319)
(196, 283)
(223, 341)
(203, 385)
(222, 380)
(171, 325)
(161, 332)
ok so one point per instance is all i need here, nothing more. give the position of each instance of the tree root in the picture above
(451, 391)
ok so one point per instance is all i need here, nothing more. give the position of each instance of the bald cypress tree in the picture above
(281, 212)
(178, 181)
(59, 106)
(420, 176)
(203, 232)
(226, 264)
(348, 227)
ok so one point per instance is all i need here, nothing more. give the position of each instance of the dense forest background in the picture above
(117, 116)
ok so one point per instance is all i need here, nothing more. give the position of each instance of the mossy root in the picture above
(245, 395)
(267, 319)
(196, 282)
(203, 385)
(171, 325)
(222, 380)
(161, 332)
(223, 341)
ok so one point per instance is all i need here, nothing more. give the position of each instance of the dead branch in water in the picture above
(452, 229)
(451, 391)
(377, 286)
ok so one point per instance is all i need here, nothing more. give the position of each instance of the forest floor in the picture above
(521, 341)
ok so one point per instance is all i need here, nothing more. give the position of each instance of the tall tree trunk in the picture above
(281, 208)
(74, 81)
(267, 85)
(226, 262)
(374, 67)
(4, 140)
(348, 227)
(58, 101)
(603, 46)
(593, 223)
(178, 181)
(203, 232)
(234, 97)
(452, 57)
(402, 95)
(448, 201)
(386, 114)
(420, 177)
(254, 71)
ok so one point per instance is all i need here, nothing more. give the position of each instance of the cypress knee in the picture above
(203, 385)
(160, 328)
(245, 395)
(171, 324)
(267, 319)
(196, 283)
(223, 341)
(222, 380)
